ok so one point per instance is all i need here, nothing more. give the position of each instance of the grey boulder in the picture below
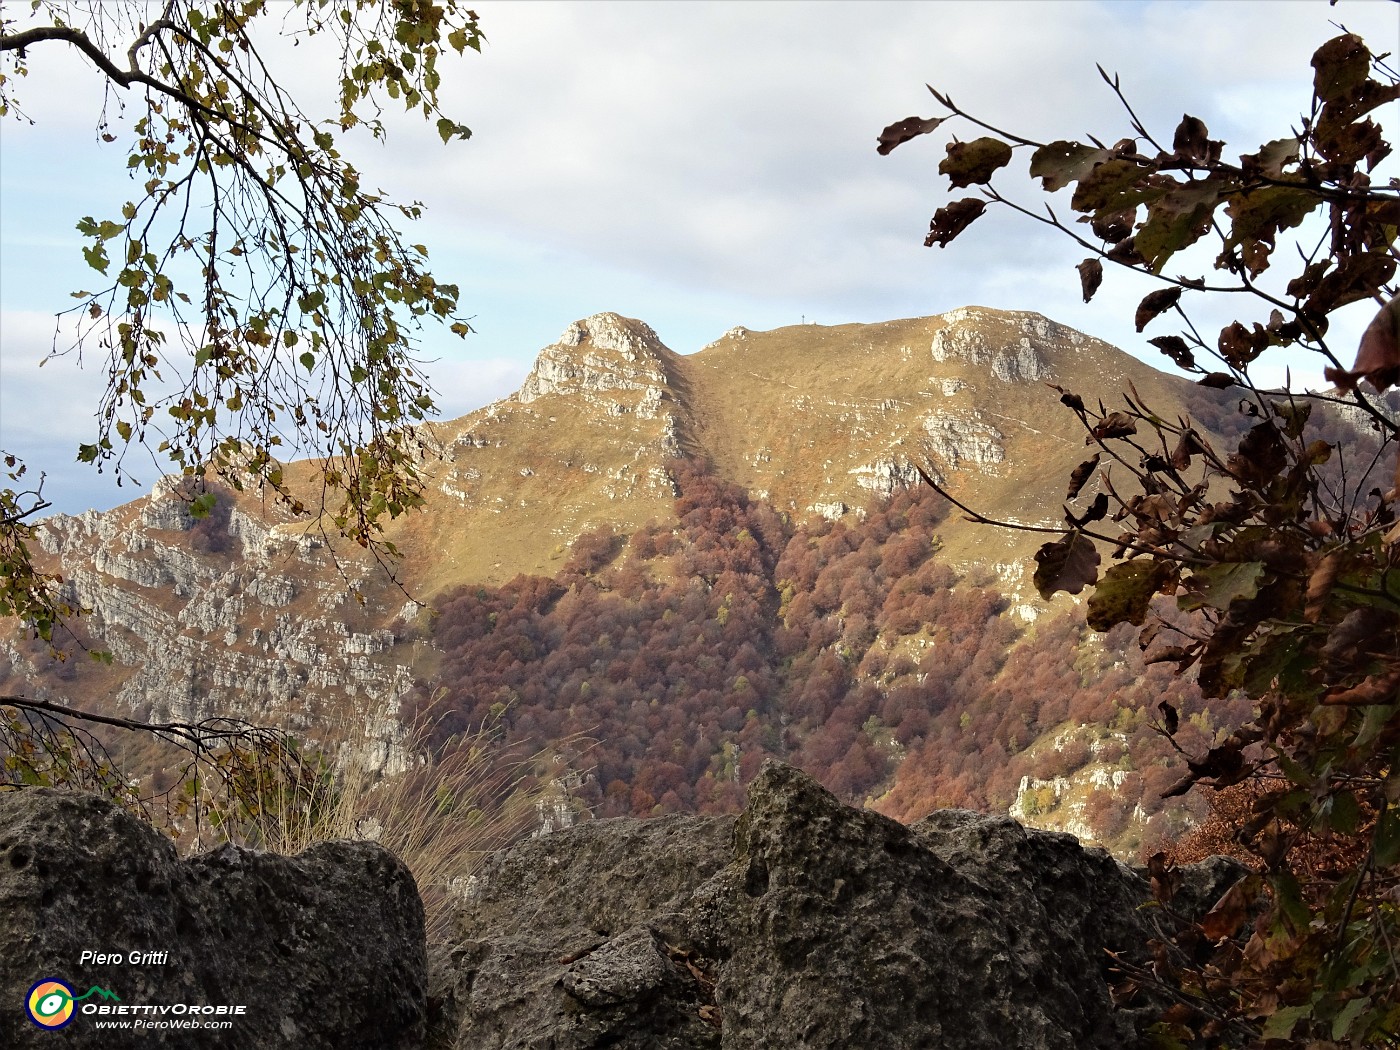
(324, 949)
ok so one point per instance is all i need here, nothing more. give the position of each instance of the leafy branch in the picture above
(1283, 554)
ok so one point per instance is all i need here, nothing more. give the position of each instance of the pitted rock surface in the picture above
(324, 949)
(803, 923)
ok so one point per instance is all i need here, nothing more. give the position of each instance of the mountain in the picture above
(813, 419)
(625, 477)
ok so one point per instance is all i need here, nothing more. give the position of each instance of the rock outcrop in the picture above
(801, 923)
(324, 949)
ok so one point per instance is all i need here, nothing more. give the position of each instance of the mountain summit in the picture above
(816, 419)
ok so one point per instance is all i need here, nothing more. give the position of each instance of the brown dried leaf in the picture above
(1082, 473)
(1340, 66)
(1166, 880)
(1320, 583)
(902, 131)
(1090, 277)
(1378, 356)
(1112, 227)
(950, 221)
(1175, 347)
(1187, 445)
(972, 163)
(1230, 911)
(1096, 512)
(1113, 425)
(1069, 564)
(1192, 140)
(1240, 345)
(1359, 277)
(1155, 303)
(1125, 253)
(1217, 380)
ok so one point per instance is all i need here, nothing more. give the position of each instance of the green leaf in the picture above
(87, 453)
(972, 163)
(96, 257)
(1387, 840)
(1125, 593)
(1280, 1025)
(202, 504)
(307, 361)
(1177, 220)
(1219, 585)
(1344, 1020)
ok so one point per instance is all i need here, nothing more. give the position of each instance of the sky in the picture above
(700, 166)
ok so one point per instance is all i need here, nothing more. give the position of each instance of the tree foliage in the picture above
(847, 647)
(255, 299)
(1283, 554)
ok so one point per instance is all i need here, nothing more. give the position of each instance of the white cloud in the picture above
(703, 165)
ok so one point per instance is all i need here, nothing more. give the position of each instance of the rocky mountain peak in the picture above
(604, 352)
(632, 338)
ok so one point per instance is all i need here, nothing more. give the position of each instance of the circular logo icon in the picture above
(50, 1004)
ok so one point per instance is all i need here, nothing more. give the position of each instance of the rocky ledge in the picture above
(321, 950)
(799, 923)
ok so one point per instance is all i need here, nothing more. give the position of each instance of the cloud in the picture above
(704, 165)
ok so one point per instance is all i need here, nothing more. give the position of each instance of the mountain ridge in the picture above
(573, 485)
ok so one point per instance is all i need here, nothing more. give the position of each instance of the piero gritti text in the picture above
(133, 958)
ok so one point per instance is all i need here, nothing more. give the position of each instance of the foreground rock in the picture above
(803, 923)
(324, 949)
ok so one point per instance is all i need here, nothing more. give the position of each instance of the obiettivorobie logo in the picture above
(50, 1003)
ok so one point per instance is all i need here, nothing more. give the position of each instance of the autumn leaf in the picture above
(1082, 473)
(972, 163)
(902, 131)
(1105, 187)
(1358, 277)
(1230, 911)
(1125, 593)
(1059, 163)
(1155, 303)
(1218, 585)
(950, 221)
(1090, 277)
(1217, 380)
(1113, 425)
(1069, 564)
(1340, 66)
(1175, 347)
(1378, 356)
(1193, 142)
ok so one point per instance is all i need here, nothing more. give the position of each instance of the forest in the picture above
(673, 661)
